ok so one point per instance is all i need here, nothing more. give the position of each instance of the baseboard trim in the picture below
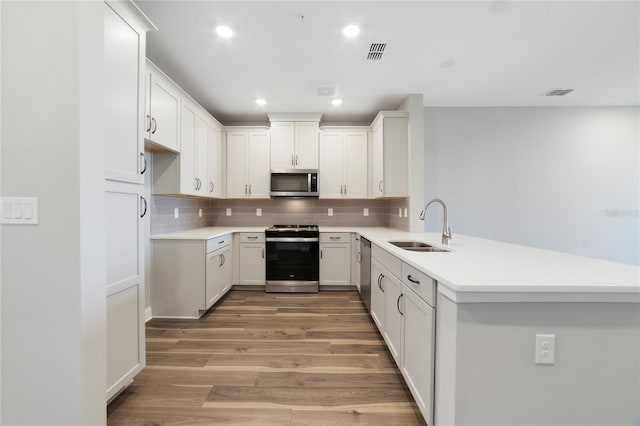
(147, 314)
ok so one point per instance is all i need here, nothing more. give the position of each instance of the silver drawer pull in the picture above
(221, 242)
(253, 238)
(334, 238)
(412, 280)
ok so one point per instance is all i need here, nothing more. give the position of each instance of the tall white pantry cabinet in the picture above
(125, 30)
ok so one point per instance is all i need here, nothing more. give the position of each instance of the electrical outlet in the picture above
(199, 212)
(365, 212)
(545, 349)
(228, 212)
(176, 213)
(330, 211)
(399, 211)
(406, 213)
(258, 211)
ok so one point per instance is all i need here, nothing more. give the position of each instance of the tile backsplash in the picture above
(273, 211)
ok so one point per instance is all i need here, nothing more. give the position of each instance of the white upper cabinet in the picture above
(247, 163)
(343, 164)
(162, 106)
(124, 44)
(214, 143)
(389, 159)
(294, 144)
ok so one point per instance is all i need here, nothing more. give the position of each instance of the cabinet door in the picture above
(331, 165)
(355, 260)
(393, 316)
(258, 165)
(124, 283)
(213, 278)
(188, 180)
(214, 186)
(355, 168)
(163, 113)
(306, 145)
(202, 156)
(252, 264)
(335, 264)
(123, 97)
(237, 164)
(282, 145)
(227, 269)
(377, 163)
(377, 295)
(418, 351)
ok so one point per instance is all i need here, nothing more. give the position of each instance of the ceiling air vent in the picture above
(558, 92)
(375, 51)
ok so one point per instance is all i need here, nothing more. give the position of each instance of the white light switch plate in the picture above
(176, 212)
(399, 211)
(19, 211)
(330, 211)
(199, 212)
(258, 211)
(365, 212)
(228, 212)
(406, 213)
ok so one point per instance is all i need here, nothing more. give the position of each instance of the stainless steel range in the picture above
(293, 258)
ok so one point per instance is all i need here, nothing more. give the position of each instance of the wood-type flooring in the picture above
(268, 359)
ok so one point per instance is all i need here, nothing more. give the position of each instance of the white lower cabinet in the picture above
(252, 258)
(404, 312)
(189, 276)
(378, 303)
(124, 208)
(335, 259)
(417, 364)
(356, 258)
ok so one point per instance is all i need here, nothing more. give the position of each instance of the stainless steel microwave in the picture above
(294, 183)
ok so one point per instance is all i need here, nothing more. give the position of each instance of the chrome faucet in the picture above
(446, 230)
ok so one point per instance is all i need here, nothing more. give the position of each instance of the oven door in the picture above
(293, 259)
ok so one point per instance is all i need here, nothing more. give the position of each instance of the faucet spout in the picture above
(446, 230)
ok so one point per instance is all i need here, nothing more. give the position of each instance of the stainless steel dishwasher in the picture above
(365, 272)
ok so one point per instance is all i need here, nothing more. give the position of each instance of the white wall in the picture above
(53, 289)
(564, 179)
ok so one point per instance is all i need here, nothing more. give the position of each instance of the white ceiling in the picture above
(472, 53)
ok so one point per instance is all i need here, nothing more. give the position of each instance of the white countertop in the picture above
(479, 270)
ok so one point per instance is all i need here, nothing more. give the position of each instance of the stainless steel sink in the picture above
(417, 246)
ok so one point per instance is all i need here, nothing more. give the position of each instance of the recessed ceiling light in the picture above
(261, 102)
(351, 31)
(223, 31)
(336, 101)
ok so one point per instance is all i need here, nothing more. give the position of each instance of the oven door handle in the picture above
(292, 240)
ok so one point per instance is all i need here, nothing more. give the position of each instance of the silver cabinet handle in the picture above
(144, 212)
(195, 183)
(221, 242)
(359, 257)
(249, 189)
(292, 160)
(334, 238)
(155, 126)
(296, 159)
(412, 280)
(398, 304)
(320, 254)
(263, 253)
(210, 186)
(341, 186)
(380, 277)
(252, 237)
(221, 260)
(149, 125)
(345, 190)
(245, 189)
(144, 169)
(380, 186)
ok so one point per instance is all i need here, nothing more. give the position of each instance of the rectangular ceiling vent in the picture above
(329, 90)
(375, 51)
(558, 92)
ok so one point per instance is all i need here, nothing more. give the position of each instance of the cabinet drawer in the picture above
(252, 237)
(218, 242)
(389, 261)
(335, 237)
(422, 284)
